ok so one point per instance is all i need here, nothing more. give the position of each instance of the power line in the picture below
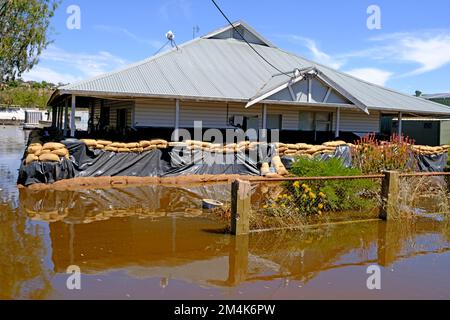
(242, 37)
(168, 41)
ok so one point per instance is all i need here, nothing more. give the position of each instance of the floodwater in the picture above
(155, 242)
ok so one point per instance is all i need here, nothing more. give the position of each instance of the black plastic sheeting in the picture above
(45, 172)
(85, 162)
(433, 163)
(99, 163)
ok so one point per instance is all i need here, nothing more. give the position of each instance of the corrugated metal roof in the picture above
(228, 69)
(436, 96)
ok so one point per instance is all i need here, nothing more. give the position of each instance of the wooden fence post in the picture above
(389, 194)
(240, 207)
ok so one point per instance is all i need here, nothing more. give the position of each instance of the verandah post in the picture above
(240, 207)
(389, 194)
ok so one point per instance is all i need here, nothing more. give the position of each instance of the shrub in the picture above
(373, 156)
(340, 195)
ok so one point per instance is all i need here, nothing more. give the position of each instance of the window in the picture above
(315, 121)
(274, 121)
(323, 121)
(251, 123)
(306, 121)
(428, 125)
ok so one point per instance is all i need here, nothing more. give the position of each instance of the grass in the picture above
(426, 194)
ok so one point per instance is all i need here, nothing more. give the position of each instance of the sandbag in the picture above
(335, 143)
(104, 143)
(292, 146)
(53, 146)
(303, 146)
(31, 158)
(49, 157)
(265, 169)
(137, 150)
(132, 145)
(111, 149)
(61, 152)
(145, 144)
(118, 145)
(159, 142)
(89, 142)
(43, 151)
(35, 145)
(34, 149)
(279, 166)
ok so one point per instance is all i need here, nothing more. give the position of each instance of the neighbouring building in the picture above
(425, 131)
(219, 79)
(442, 98)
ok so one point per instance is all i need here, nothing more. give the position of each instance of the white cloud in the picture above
(373, 75)
(173, 8)
(317, 55)
(89, 65)
(125, 32)
(39, 74)
(429, 50)
(76, 66)
(430, 54)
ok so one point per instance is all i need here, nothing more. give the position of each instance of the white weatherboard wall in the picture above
(214, 115)
(115, 105)
(351, 121)
(360, 122)
(161, 113)
(290, 115)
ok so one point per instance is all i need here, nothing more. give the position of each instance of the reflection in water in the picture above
(155, 242)
(86, 206)
(12, 147)
(183, 254)
(24, 264)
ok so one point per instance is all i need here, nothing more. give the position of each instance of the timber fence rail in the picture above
(290, 203)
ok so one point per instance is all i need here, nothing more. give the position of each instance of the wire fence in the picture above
(296, 202)
(424, 194)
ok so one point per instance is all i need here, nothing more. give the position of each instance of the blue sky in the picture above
(411, 50)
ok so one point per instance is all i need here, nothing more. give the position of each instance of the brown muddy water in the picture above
(156, 243)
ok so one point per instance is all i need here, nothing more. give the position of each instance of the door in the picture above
(121, 118)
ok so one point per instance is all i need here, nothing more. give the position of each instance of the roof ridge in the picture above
(245, 25)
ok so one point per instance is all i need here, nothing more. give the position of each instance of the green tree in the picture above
(24, 28)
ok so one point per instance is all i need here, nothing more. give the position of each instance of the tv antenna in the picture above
(195, 30)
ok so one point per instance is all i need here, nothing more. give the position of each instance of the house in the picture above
(220, 80)
(424, 131)
(442, 98)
